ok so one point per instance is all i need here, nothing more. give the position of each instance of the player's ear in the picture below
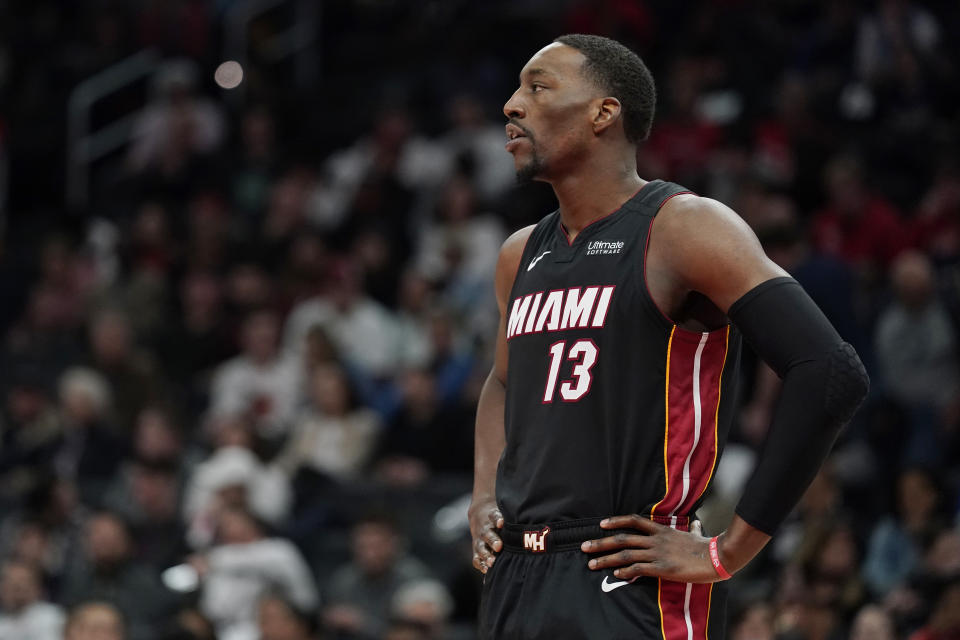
(607, 112)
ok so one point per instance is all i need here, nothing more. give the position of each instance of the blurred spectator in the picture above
(407, 630)
(681, 143)
(95, 621)
(249, 287)
(189, 624)
(916, 342)
(279, 619)
(284, 219)
(815, 515)
(916, 352)
(196, 339)
(376, 174)
(896, 543)
(753, 621)
(452, 361)
(254, 164)
(43, 334)
(177, 125)
(857, 224)
(459, 251)
(790, 147)
(936, 222)
(210, 241)
(47, 531)
(872, 623)
(476, 145)
(260, 382)
(232, 477)
(25, 614)
(108, 572)
(30, 434)
(66, 273)
(150, 256)
(363, 331)
(425, 436)
(415, 303)
(898, 34)
(426, 602)
(318, 350)
(360, 594)
(130, 371)
(242, 567)
(333, 436)
(89, 452)
(157, 440)
(148, 496)
(304, 266)
(833, 578)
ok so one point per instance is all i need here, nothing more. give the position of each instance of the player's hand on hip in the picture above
(485, 521)
(654, 550)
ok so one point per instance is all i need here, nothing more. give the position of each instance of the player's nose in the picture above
(512, 108)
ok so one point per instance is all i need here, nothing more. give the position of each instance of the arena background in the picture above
(243, 330)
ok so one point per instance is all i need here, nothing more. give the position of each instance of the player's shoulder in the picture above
(689, 220)
(692, 210)
(512, 249)
(511, 252)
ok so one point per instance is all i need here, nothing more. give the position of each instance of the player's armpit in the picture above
(699, 244)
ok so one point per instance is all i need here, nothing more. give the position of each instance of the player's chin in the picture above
(528, 171)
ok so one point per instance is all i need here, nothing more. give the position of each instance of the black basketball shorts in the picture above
(540, 587)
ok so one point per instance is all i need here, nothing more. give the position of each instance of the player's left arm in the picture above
(703, 246)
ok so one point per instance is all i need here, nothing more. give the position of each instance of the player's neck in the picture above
(593, 193)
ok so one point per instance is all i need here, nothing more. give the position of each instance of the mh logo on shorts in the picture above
(536, 541)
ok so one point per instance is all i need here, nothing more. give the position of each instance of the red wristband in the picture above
(715, 559)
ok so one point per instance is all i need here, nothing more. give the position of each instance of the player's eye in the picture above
(536, 87)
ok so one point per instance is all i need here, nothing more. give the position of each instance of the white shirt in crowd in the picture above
(269, 391)
(38, 621)
(240, 574)
(366, 333)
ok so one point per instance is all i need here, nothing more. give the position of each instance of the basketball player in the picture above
(610, 399)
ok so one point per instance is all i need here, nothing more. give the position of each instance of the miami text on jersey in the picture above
(575, 308)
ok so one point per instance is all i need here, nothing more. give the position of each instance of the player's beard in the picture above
(530, 171)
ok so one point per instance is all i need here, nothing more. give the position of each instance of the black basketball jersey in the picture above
(610, 407)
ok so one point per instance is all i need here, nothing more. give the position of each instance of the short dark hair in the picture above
(620, 72)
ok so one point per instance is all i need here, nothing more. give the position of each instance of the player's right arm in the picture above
(485, 516)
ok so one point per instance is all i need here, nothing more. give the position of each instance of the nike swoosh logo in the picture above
(534, 262)
(607, 587)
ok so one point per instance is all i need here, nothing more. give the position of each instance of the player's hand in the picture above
(485, 521)
(654, 550)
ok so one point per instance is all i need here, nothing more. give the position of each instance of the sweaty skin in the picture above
(702, 257)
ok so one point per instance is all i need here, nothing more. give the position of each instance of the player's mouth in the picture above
(514, 136)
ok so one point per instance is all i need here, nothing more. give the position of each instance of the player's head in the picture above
(575, 92)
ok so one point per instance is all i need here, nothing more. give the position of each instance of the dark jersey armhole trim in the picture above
(646, 249)
(679, 333)
(516, 274)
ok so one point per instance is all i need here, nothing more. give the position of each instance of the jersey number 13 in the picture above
(584, 354)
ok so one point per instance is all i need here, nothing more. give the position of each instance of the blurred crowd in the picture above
(238, 384)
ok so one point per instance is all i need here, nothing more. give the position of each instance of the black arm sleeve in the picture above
(823, 384)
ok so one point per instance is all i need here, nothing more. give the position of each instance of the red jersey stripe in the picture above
(684, 609)
(694, 372)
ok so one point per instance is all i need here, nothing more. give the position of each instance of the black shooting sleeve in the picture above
(824, 382)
